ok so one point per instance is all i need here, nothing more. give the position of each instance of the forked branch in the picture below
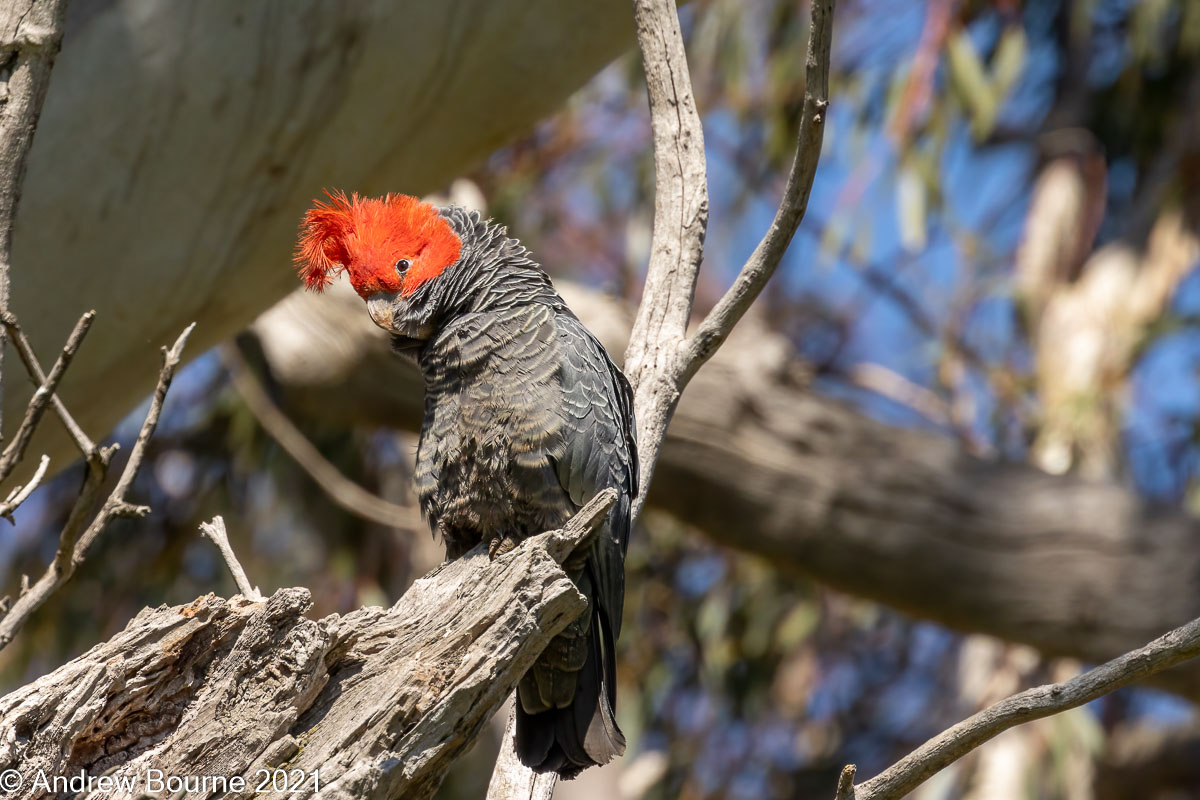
(661, 358)
(45, 392)
(78, 535)
(766, 256)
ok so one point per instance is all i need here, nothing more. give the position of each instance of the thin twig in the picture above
(344, 492)
(45, 391)
(899, 389)
(904, 776)
(766, 256)
(215, 531)
(87, 447)
(116, 505)
(72, 545)
(21, 493)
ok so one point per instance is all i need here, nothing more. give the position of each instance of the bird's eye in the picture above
(402, 266)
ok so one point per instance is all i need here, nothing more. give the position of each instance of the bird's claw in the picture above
(498, 546)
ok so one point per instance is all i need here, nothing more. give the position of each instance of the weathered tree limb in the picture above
(952, 744)
(652, 359)
(215, 532)
(15, 451)
(77, 535)
(761, 463)
(377, 703)
(763, 262)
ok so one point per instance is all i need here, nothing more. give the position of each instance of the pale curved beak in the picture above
(379, 306)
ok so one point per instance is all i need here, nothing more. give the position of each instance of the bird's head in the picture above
(390, 248)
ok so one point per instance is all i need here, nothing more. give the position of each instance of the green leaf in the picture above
(1008, 62)
(969, 80)
(796, 626)
(912, 208)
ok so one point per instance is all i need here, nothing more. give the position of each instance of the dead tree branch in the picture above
(661, 358)
(46, 390)
(763, 262)
(77, 535)
(21, 493)
(376, 704)
(215, 531)
(87, 448)
(653, 358)
(952, 744)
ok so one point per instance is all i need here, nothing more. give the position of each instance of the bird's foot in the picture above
(499, 545)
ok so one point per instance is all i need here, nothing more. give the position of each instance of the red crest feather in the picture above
(366, 237)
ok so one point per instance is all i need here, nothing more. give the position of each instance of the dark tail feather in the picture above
(583, 733)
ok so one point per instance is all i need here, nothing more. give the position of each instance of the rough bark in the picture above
(656, 347)
(760, 462)
(210, 126)
(376, 703)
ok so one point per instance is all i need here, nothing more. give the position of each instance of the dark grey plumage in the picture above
(526, 419)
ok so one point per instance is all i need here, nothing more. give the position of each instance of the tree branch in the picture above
(45, 393)
(21, 493)
(763, 262)
(952, 744)
(216, 532)
(652, 360)
(116, 505)
(660, 359)
(75, 540)
(87, 448)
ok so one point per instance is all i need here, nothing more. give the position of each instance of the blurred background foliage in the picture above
(983, 161)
